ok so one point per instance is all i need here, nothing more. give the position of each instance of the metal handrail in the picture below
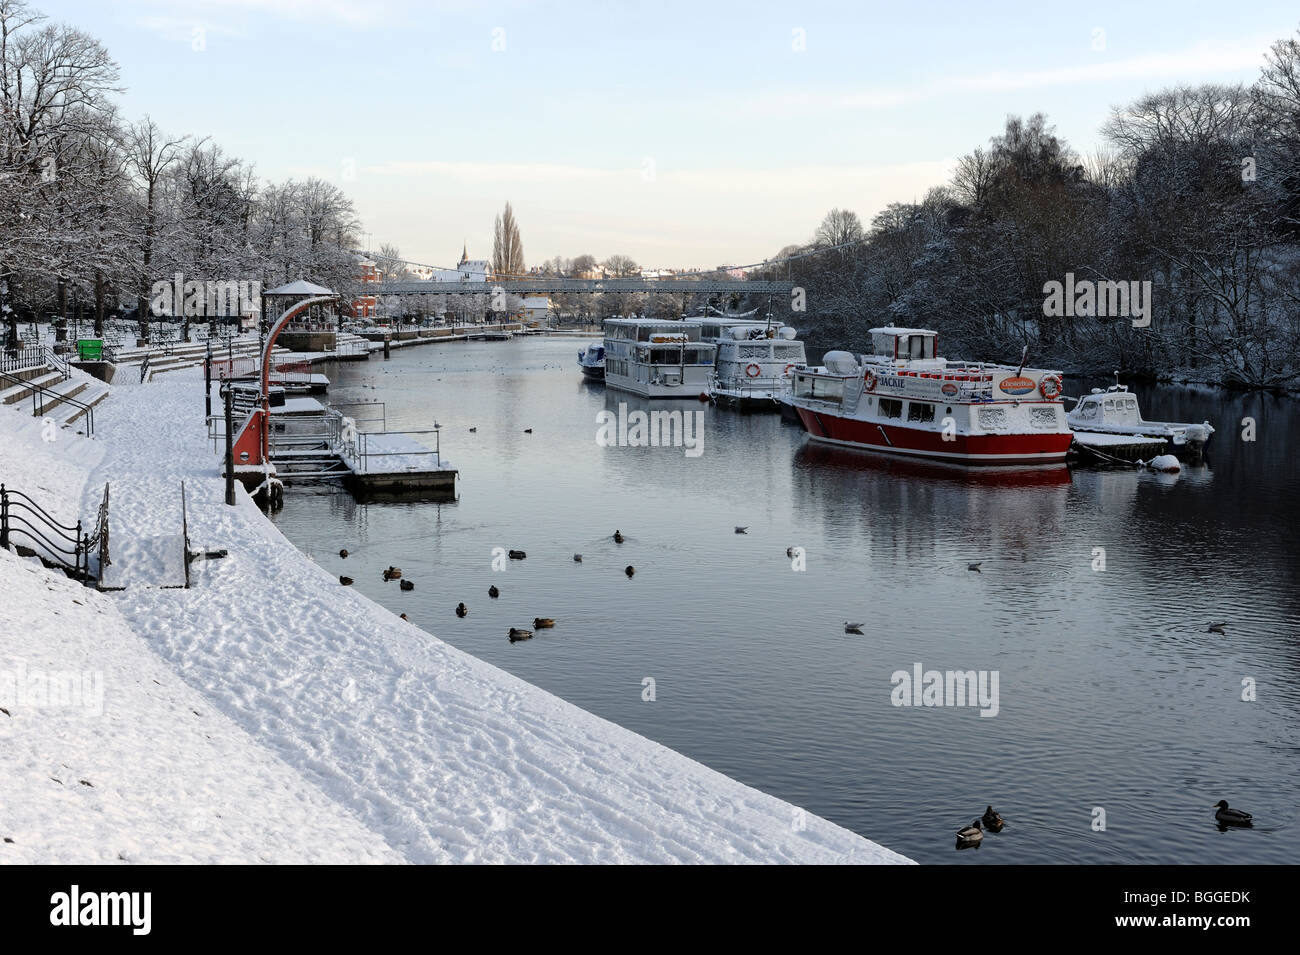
(38, 406)
(20, 515)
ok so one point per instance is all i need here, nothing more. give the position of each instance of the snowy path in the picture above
(446, 758)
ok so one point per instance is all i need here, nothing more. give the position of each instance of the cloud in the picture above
(1193, 62)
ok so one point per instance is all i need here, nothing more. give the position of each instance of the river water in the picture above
(1120, 720)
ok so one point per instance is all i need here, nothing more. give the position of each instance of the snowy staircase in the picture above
(45, 393)
(164, 358)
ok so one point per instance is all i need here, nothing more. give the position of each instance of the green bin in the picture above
(90, 349)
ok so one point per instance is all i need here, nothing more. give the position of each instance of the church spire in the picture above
(464, 253)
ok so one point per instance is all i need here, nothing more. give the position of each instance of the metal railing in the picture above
(62, 545)
(363, 453)
(40, 393)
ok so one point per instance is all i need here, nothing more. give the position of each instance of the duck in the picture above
(516, 634)
(618, 537)
(789, 552)
(629, 570)
(975, 566)
(403, 616)
(972, 835)
(393, 573)
(473, 430)
(344, 553)
(493, 592)
(577, 558)
(543, 623)
(461, 610)
(853, 627)
(743, 530)
(1231, 817)
(992, 820)
(1216, 628)
(407, 585)
(528, 430)
(345, 581)
(517, 555)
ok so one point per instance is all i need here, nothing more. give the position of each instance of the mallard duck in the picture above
(528, 430)
(743, 530)
(517, 555)
(789, 552)
(853, 627)
(992, 820)
(975, 566)
(516, 634)
(393, 573)
(461, 610)
(972, 835)
(343, 553)
(407, 585)
(577, 558)
(618, 537)
(345, 581)
(493, 592)
(1216, 628)
(543, 623)
(1231, 817)
(629, 570)
(473, 430)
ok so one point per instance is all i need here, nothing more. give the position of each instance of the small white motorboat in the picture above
(1115, 411)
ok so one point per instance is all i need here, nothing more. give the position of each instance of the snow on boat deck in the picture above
(414, 743)
(1095, 439)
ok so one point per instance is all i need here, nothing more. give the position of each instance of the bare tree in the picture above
(507, 248)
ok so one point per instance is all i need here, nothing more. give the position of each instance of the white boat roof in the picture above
(648, 321)
(891, 330)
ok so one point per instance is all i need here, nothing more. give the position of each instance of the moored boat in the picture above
(657, 358)
(753, 362)
(592, 361)
(904, 399)
(1115, 411)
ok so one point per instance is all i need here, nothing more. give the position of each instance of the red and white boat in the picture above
(903, 399)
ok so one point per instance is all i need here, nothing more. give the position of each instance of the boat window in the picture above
(919, 411)
(1088, 410)
(891, 407)
(1110, 404)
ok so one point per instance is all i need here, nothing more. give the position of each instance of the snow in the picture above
(1167, 463)
(1098, 439)
(293, 719)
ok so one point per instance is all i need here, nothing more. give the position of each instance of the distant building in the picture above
(365, 304)
(536, 309)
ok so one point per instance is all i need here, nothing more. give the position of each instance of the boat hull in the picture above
(1024, 448)
(593, 371)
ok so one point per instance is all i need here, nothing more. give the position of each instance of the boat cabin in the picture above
(908, 344)
(1111, 407)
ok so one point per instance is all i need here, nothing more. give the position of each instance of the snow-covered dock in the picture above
(269, 714)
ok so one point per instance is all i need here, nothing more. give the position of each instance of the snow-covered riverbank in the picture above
(333, 728)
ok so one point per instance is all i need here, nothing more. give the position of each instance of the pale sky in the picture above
(681, 134)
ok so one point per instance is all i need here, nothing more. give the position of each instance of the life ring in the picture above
(869, 380)
(1050, 386)
(788, 369)
(752, 370)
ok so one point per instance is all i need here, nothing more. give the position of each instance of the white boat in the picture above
(592, 361)
(1115, 411)
(754, 360)
(657, 358)
(904, 399)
